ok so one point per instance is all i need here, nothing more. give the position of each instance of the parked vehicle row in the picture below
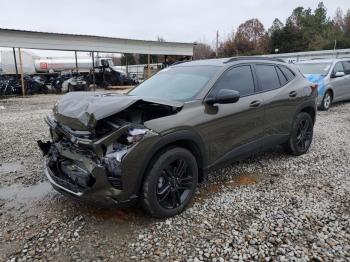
(9, 86)
(156, 143)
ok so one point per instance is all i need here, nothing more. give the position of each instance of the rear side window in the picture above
(287, 72)
(346, 65)
(338, 67)
(281, 76)
(239, 79)
(268, 77)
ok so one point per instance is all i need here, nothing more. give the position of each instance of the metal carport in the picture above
(71, 42)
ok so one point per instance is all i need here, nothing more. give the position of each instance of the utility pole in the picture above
(335, 47)
(217, 44)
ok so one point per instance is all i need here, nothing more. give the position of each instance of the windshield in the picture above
(176, 83)
(315, 68)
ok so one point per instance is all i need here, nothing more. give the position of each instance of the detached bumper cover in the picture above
(75, 166)
(100, 194)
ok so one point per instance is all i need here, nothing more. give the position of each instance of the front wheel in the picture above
(170, 183)
(326, 101)
(301, 135)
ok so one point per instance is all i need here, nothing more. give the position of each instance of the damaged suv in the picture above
(157, 142)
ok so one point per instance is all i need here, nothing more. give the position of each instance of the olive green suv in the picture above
(154, 144)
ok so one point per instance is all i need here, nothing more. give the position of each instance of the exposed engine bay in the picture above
(89, 145)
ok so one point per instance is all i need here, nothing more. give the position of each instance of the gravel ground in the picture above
(269, 207)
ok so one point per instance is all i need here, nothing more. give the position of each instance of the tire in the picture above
(170, 182)
(301, 136)
(70, 88)
(326, 101)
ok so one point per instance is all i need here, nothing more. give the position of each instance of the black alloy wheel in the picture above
(301, 135)
(174, 184)
(170, 182)
(304, 134)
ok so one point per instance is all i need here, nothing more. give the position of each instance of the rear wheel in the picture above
(326, 101)
(301, 135)
(170, 183)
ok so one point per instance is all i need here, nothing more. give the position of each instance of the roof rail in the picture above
(179, 62)
(239, 58)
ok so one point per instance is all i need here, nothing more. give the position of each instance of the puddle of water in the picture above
(10, 167)
(18, 195)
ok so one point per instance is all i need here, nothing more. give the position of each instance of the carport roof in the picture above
(87, 43)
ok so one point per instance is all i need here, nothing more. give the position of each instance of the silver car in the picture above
(332, 77)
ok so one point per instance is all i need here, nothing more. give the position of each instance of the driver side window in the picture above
(239, 79)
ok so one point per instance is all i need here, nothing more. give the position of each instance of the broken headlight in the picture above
(116, 151)
(135, 135)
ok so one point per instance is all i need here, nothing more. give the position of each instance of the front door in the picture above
(235, 129)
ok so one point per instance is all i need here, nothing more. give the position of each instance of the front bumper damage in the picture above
(82, 168)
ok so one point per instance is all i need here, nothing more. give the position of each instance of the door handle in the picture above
(293, 94)
(255, 103)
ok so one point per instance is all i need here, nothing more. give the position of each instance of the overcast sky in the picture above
(176, 20)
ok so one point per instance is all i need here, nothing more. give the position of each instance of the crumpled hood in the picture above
(319, 80)
(82, 110)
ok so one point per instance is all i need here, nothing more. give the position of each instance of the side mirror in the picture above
(338, 74)
(223, 96)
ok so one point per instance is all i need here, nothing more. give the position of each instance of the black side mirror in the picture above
(223, 96)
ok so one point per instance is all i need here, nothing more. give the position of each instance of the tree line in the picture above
(303, 30)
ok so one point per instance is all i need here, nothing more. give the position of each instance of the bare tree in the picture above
(203, 51)
(227, 47)
(249, 36)
(339, 19)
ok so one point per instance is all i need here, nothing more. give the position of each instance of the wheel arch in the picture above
(311, 111)
(330, 89)
(186, 139)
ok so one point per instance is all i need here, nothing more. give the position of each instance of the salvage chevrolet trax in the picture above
(157, 142)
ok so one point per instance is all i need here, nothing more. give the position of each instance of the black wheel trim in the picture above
(304, 134)
(174, 184)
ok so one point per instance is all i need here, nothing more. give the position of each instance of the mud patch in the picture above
(114, 215)
(242, 179)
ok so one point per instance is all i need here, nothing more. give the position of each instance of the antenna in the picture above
(217, 43)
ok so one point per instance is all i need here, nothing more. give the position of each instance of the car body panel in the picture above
(82, 110)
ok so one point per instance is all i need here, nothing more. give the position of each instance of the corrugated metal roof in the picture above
(70, 42)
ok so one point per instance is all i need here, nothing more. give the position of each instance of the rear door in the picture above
(235, 129)
(280, 97)
(346, 66)
(339, 84)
